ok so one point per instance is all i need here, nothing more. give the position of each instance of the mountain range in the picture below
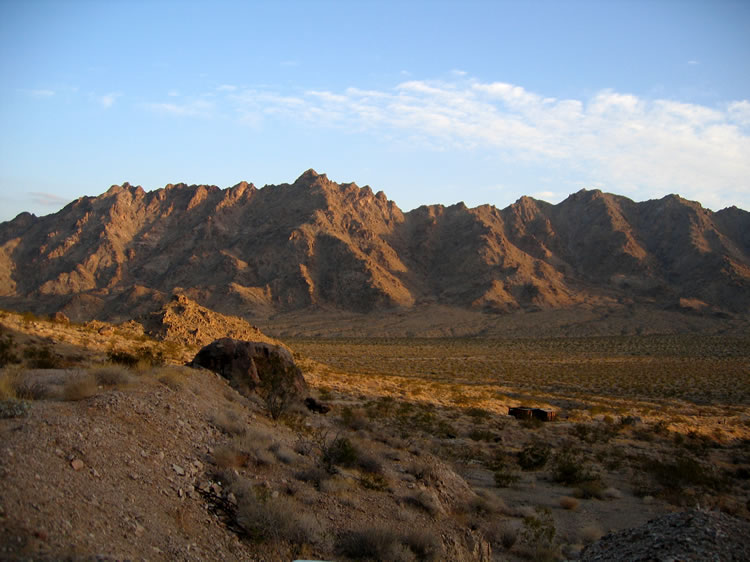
(316, 246)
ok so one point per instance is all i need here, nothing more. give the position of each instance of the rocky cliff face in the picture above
(319, 244)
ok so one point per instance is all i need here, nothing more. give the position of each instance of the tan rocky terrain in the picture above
(289, 250)
(417, 459)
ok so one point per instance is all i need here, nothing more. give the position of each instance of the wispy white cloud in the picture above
(40, 93)
(107, 100)
(194, 108)
(226, 88)
(630, 144)
(47, 199)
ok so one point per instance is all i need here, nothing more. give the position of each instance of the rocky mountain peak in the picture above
(318, 243)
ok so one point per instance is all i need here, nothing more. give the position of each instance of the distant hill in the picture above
(316, 245)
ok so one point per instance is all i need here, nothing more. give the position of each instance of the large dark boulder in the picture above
(253, 366)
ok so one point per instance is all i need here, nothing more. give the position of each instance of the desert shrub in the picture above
(355, 419)
(7, 349)
(568, 503)
(29, 317)
(505, 476)
(32, 389)
(339, 451)
(122, 358)
(275, 519)
(478, 413)
(482, 435)
(313, 475)
(484, 505)
(226, 456)
(79, 387)
(682, 472)
(171, 378)
(113, 376)
(424, 471)
(425, 544)
(143, 357)
(534, 456)
(369, 464)
(568, 467)
(593, 488)
(376, 542)
(229, 422)
(591, 533)
(424, 501)
(255, 448)
(538, 533)
(9, 384)
(12, 408)
(283, 454)
(508, 536)
(376, 482)
(41, 358)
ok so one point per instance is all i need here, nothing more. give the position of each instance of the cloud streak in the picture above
(631, 145)
(44, 199)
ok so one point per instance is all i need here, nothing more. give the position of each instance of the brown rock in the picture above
(77, 464)
(248, 364)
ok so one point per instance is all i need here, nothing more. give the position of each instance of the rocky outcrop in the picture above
(252, 365)
(184, 321)
(691, 535)
(319, 245)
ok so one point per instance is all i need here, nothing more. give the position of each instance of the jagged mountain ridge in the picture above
(318, 244)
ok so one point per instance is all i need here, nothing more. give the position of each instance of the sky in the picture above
(429, 101)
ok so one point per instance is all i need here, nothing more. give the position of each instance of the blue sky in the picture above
(431, 102)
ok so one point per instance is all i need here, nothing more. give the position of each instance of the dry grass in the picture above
(113, 376)
(80, 386)
(566, 502)
(229, 422)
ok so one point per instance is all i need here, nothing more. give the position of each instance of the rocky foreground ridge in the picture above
(317, 244)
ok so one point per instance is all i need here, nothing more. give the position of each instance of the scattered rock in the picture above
(178, 469)
(315, 406)
(77, 464)
(690, 535)
(60, 317)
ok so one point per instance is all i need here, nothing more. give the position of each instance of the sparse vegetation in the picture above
(80, 386)
(7, 349)
(418, 449)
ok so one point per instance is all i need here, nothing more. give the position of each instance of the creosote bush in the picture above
(80, 386)
(534, 456)
(568, 467)
(7, 349)
(41, 358)
(113, 376)
(263, 518)
(384, 543)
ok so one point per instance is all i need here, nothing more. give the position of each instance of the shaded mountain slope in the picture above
(322, 245)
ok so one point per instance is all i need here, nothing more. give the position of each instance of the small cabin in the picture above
(526, 413)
